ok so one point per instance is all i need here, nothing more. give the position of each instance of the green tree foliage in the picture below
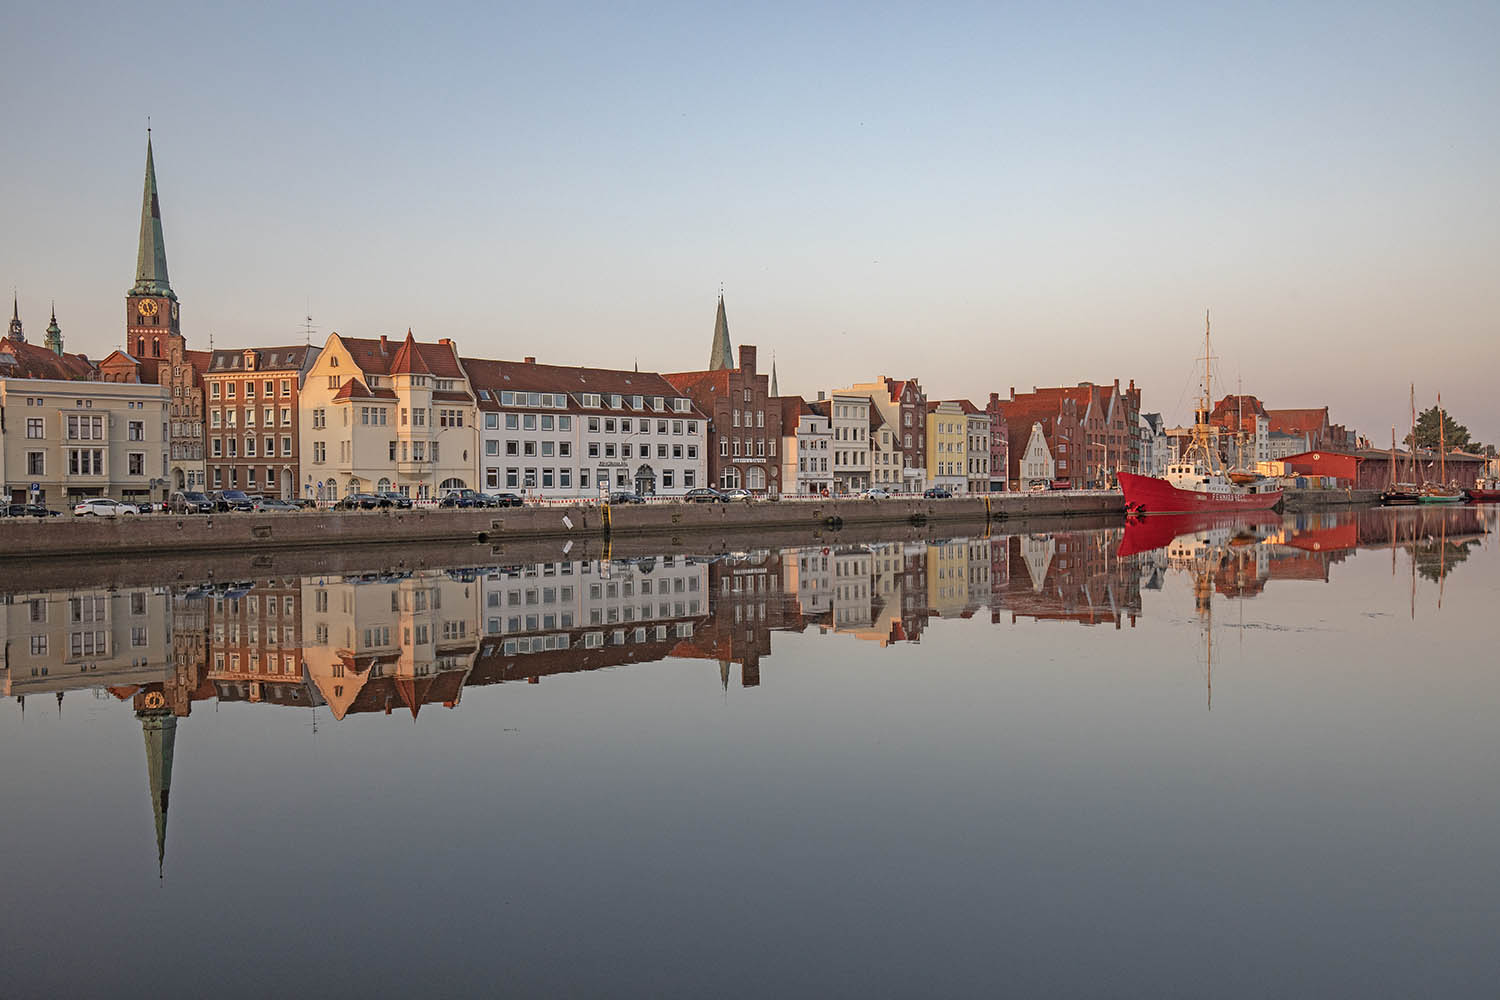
(1455, 434)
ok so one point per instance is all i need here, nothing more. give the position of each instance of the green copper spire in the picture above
(54, 334)
(151, 258)
(160, 729)
(719, 356)
(774, 390)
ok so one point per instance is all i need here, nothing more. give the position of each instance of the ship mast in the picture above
(1442, 445)
(1202, 433)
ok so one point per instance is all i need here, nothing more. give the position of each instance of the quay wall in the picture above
(25, 539)
(1325, 499)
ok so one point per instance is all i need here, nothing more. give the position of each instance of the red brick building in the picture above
(253, 418)
(744, 424)
(999, 445)
(1091, 430)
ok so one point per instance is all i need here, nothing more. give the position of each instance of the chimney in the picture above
(445, 342)
(530, 360)
(1012, 393)
(747, 359)
(384, 345)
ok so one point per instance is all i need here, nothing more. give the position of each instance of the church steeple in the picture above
(54, 334)
(16, 332)
(151, 257)
(774, 390)
(719, 356)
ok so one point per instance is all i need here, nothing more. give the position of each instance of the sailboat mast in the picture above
(1442, 444)
(1393, 458)
(1412, 464)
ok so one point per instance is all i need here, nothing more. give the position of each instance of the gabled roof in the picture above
(376, 356)
(19, 359)
(353, 389)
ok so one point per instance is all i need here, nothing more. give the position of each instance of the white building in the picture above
(849, 415)
(885, 453)
(555, 431)
(806, 448)
(1155, 448)
(1036, 462)
(585, 603)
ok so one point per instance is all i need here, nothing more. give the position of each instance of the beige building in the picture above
(83, 439)
(380, 415)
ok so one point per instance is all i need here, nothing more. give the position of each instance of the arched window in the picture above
(755, 478)
(453, 484)
(729, 479)
(333, 489)
(354, 484)
(384, 486)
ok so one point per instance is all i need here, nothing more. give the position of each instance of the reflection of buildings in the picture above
(373, 642)
(68, 640)
(253, 634)
(1069, 576)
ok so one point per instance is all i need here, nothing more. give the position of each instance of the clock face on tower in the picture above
(147, 307)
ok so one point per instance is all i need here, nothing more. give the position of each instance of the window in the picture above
(85, 462)
(36, 463)
(213, 390)
(34, 427)
(136, 462)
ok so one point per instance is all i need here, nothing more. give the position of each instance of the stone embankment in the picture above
(27, 539)
(1327, 499)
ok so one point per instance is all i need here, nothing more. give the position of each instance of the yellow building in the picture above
(947, 433)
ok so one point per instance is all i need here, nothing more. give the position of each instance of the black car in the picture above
(704, 494)
(505, 500)
(463, 498)
(625, 496)
(192, 502)
(938, 493)
(28, 510)
(227, 500)
(361, 501)
(397, 500)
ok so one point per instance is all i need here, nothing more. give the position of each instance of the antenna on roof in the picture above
(307, 324)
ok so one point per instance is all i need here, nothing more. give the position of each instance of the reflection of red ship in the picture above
(1143, 534)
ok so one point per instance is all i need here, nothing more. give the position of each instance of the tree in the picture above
(1455, 434)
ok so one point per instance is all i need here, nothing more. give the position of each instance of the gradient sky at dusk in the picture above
(983, 195)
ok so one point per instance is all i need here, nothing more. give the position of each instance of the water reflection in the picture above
(390, 643)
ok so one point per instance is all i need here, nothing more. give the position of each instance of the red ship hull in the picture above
(1479, 494)
(1149, 495)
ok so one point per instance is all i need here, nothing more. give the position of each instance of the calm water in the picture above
(1174, 759)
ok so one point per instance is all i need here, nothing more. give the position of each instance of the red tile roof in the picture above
(408, 360)
(376, 357)
(494, 377)
(353, 389)
(23, 360)
(1298, 421)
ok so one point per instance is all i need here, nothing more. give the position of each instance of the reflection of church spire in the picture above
(724, 673)
(160, 730)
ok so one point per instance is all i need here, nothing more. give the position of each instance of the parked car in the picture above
(1038, 486)
(625, 496)
(505, 500)
(397, 500)
(463, 498)
(28, 510)
(227, 500)
(938, 493)
(876, 493)
(704, 494)
(737, 494)
(192, 502)
(104, 507)
(271, 505)
(361, 501)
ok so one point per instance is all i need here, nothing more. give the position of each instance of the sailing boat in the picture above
(1441, 491)
(1406, 492)
(1198, 480)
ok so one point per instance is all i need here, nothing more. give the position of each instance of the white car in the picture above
(876, 493)
(104, 507)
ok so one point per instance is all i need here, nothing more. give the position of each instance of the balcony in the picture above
(413, 469)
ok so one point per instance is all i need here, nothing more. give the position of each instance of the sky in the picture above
(981, 196)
